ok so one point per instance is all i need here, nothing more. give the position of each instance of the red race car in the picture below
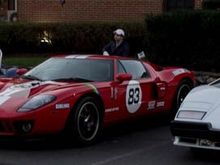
(79, 94)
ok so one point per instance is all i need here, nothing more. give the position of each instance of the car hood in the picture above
(13, 95)
(27, 89)
(205, 94)
(203, 99)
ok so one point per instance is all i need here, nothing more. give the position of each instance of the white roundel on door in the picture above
(133, 96)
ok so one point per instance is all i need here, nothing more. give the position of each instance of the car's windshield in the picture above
(216, 83)
(71, 69)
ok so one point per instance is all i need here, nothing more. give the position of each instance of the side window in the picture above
(120, 68)
(11, 4)
(136, 68)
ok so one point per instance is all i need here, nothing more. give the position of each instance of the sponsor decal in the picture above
(114, 93)
(112, 109)
(160, 104)
(63, 106)
(133, 96)
(179, 71)
(151, 105)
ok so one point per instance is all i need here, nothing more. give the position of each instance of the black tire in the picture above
(85, 121)
(182, 90)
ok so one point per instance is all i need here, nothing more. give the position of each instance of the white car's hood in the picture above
(204, 98)
(204, 94)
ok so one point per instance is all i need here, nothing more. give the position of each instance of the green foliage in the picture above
(24, 61)
(185, 38)
(189, 39)
(18, 37)
(66, 37)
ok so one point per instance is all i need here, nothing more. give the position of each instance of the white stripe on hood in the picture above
(22, 90)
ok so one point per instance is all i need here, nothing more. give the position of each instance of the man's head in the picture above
(119, 35)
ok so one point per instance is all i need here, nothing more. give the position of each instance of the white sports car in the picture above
(197, 122)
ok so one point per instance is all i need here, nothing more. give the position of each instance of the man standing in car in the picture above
(118, 47)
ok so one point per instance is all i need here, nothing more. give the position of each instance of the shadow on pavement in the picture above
(110, 133)
(205, 155)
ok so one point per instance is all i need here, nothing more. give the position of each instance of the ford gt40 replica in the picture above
(79, 94)
(197, 123)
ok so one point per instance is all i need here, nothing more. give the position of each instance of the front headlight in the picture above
(198, 115)
(36, 102)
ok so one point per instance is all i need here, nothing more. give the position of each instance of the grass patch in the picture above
(26, 62)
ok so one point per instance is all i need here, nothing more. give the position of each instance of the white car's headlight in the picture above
(36, 102)
(198, 115)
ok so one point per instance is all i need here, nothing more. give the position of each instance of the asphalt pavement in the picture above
(136, 143)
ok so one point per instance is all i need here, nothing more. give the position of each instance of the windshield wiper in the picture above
(75, 79)
(31, 77)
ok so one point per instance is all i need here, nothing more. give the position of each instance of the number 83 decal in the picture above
(133, 96)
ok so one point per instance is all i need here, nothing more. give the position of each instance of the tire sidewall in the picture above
(74, 121)
(178, 95)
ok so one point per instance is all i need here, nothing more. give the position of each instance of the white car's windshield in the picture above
(216, 83)
(70, 69)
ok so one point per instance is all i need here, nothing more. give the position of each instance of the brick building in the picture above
(91, 10)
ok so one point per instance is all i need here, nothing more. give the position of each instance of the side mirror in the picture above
(123, 77)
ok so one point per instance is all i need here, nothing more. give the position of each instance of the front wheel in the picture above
(86, 121)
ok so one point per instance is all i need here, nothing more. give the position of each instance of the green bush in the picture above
(189, 39)
(186, 38)
(66, 37)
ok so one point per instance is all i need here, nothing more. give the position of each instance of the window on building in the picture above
(11, 4)
(179, 4)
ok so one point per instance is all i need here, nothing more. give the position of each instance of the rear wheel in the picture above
(85, 121)
(183, 90)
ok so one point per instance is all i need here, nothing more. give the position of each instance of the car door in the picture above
(133, 96)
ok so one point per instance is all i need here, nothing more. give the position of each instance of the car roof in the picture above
(90, 56)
